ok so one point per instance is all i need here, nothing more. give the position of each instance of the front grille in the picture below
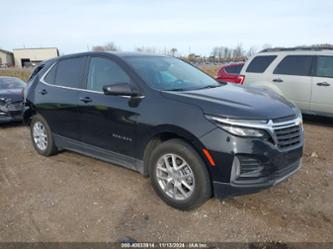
(288, 137)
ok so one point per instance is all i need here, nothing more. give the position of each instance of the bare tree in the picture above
(238, 51)
(252, 51)
(149, 50)
(173, 51)
(110, 46)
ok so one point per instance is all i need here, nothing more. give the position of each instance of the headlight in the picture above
(243, 128)
(243, 132)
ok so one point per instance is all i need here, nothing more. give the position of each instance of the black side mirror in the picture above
(119, 89)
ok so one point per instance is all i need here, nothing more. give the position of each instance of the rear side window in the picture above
(69, 72)
(295, 65)
(260, 63)
(103, 71)
(234, 69)
(324, 66)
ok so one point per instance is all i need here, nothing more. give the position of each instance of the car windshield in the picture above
(11, 83)
(170, 74)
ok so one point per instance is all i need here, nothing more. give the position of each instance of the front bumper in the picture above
(223, 190)
(248, 165)
(6, 117)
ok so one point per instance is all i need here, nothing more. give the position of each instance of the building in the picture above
(6, 58)
(27, 57)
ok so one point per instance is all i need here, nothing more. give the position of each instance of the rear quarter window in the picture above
(295, 65)
(49, 78)
(260, 63)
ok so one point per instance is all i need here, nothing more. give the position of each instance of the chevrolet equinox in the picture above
(194, 137)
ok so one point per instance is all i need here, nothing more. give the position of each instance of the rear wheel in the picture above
(178, 175)
(41, 136)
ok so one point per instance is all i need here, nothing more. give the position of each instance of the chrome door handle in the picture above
(323, 84)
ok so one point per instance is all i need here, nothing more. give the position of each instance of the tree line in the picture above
(219, 54)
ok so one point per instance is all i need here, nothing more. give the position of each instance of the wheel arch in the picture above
(28, 113)
(167, 132)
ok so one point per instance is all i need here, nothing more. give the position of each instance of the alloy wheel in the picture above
(40, 135)
(175, 177)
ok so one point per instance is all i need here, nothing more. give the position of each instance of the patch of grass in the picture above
(211, 70)
(22, 74)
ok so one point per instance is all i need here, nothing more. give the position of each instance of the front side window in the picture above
(69, 72)
(103, 71)
(295, 65)
(260, 63)
(324, 66)
(170, 74)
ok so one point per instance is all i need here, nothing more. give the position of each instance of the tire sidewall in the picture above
(50, 149)
(202, 189)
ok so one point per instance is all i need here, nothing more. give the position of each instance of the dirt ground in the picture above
(70, 197)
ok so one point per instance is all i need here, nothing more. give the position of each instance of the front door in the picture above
(107, 122)
(322, 85)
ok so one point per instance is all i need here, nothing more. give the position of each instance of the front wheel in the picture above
(41, 136)
(179, 175)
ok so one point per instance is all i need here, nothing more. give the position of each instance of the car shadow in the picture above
(318, 120)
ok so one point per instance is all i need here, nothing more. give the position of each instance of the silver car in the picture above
(302, 75)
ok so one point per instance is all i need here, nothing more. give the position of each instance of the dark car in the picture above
(231, 73)
(166, 119)
(11, 99)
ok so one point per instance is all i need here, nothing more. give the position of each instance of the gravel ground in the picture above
(70, 197)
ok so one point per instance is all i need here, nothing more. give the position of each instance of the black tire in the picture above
(202, 190)
(50, 149)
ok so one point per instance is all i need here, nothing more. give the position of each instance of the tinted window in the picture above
(324, 66)
(234, 69)
(49, 78)
(260, 63)
(103, 72)
(295, 65)
(69, 72)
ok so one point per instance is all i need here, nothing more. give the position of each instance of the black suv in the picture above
(166, 119)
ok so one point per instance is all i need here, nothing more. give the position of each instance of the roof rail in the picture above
(297, 48)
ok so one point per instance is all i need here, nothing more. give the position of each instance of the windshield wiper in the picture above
(177, 89)
(209, 86)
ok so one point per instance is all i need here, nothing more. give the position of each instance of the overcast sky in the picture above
(188, 25)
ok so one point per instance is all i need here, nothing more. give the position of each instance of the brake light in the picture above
(240, 79)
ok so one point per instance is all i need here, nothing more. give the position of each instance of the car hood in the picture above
(235, 101)
(13, 94)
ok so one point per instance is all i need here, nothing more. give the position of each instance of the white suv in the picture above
(302, 75)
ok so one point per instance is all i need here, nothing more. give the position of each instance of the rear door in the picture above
(57, 96)
(322, 85)
(293, 77)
